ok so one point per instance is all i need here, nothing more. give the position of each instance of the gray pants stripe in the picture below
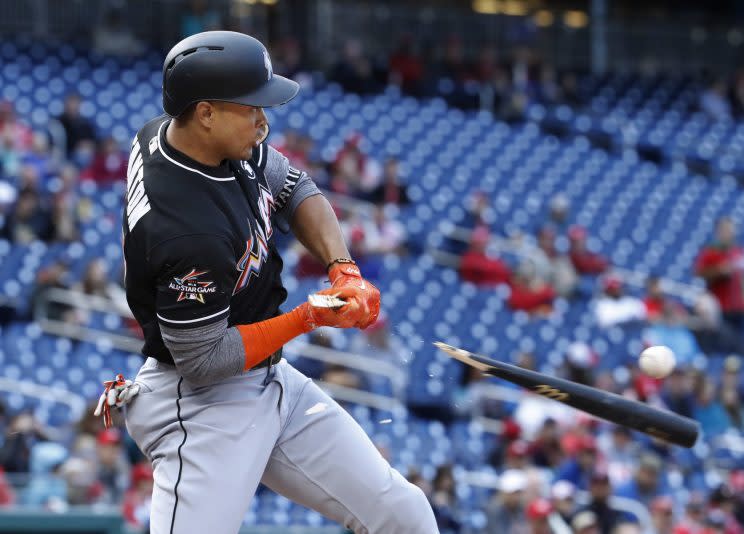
(180, 458)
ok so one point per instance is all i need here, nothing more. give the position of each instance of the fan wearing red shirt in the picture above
(477, 267)
(721, 265)
(109, 163)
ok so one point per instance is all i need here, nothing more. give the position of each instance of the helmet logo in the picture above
(267, 64)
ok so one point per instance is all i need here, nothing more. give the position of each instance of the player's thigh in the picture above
(209, 448)
(325, 461)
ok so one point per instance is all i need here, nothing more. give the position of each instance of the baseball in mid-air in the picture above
(657, 361)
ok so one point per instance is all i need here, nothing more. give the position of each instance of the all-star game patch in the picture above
(190, 287)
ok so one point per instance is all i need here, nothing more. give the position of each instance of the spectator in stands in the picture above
(46, 487)
(29, 221)
(369, 261)
(406, 70)
(620, 452)
(708, 409)
(694, 517)
(505, 513)
(288, 61)
(670, 330)
(600, 491)
(382, 233)
(7, 494)
(478, 267)
(15, 135)
(570, 91)
(510, 432)
(77, 128)
(546, 448)
(648, 481)
(579, 469)
(444, 500)
(68, 210)
(737, 94)
(295, 148)
(54, 276)
(96, 282)
(732, 392)
(579, 363)
(585, 522)
(39, 158)
(662, 513)
(530, 293)
(713, 101)
(721, 507)
(553, 266)
(654, 299)
(113, 35)
(517, 455)
(677, 393)
(537, 513)
(563, 495)
(415, 477)
(354, 71)
(721, 265)
(112, 473)
(584, 260)
(199, 17)
(108, 165)
(558, 211)
(614, 307)
(713, 334)
(137, 500)
(390, 191)
(353, 172)
(452, 64)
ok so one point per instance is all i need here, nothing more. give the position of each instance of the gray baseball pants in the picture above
(211, 446)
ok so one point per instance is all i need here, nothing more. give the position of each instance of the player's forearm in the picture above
(208, 354)
(315, 225)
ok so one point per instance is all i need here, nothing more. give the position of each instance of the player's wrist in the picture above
(343, 270)
(340, 261)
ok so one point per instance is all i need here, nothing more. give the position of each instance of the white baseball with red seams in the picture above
(657, 361)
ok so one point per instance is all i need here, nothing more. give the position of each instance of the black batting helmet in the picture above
(220, 65)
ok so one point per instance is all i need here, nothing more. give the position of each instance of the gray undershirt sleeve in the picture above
(289, 186)
(206, 354)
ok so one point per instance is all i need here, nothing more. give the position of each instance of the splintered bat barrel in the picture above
(661, 424)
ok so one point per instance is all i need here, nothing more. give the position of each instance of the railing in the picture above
(74, 401)
(523, 250)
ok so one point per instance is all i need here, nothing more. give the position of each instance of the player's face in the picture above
(239, 129)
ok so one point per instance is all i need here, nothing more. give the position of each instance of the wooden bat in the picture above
(661, 424)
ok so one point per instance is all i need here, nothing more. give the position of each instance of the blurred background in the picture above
(555, 183)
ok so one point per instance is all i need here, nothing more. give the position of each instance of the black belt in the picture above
(271, 360)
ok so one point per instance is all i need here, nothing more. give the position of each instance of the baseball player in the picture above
(218, 409)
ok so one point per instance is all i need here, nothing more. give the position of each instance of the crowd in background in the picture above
(545, 456)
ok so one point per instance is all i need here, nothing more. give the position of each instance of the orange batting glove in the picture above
(347, 281)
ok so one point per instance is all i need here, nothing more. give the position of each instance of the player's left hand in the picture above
(116, 393)
(366, 295)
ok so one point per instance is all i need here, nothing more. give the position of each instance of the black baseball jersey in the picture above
(198, 241)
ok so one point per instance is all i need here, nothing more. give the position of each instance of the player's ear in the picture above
(204, 113)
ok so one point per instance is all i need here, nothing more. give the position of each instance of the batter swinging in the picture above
(218, 409)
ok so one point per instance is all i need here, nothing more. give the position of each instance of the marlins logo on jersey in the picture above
(257, 244)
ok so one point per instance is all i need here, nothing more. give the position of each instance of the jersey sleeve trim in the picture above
(193, 321)
(261, 158)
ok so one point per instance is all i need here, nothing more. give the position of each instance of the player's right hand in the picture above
(346, 316)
